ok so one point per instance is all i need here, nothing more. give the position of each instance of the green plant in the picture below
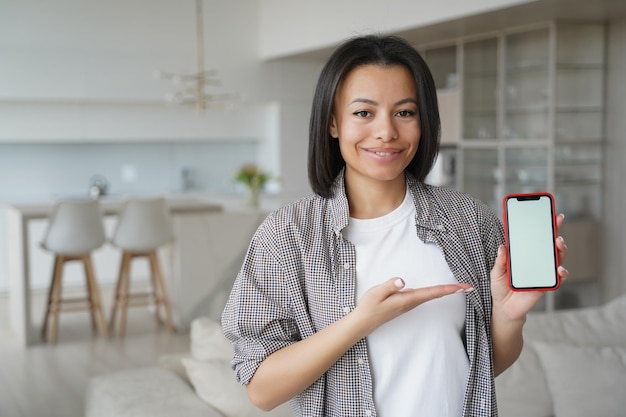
(252, 176)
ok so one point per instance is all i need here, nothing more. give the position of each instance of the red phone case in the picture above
(506, 239)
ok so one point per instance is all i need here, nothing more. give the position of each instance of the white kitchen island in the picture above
(198, 266)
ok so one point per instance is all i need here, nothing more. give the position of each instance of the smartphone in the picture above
(530, 233)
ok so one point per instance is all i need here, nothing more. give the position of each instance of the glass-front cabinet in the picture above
(531, 119)
(442, 61)
(480, 89)
(579, 115)
(526, 86)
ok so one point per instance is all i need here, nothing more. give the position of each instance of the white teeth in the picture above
(383, 153)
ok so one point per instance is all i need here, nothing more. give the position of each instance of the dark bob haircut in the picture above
(325, 160)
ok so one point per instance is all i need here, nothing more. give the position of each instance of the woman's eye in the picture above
(406, 113)
(362, 113)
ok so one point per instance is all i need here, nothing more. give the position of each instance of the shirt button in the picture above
(346, 266)
(440, 227)
(368, 412)
(346, 310)
(360, 361)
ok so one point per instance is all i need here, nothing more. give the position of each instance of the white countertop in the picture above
(111, 205)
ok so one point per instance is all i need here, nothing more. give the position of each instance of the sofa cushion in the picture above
(593, 326)
(522, 390)
(214, 382)
(143, 392)
(585, 381)
(173, 363)
(208, 340)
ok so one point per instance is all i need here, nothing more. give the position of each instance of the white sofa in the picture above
(193, 384)
(573, 364)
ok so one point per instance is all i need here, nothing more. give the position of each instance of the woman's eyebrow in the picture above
(364, 100)
(407, 100)
(375, 103)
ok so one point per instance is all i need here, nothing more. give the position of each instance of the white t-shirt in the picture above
(419, 362)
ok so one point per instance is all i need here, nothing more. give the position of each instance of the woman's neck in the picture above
(375, 199)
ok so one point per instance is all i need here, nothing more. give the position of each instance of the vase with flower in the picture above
(254, 179)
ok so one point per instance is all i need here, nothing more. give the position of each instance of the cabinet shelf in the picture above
(476, 111)
(480, 75)
(521, 111)
(578, 109)
(577, 182)
(518, 183)
(521, 70)
(576, 163)
(577, 66)
(481, 180)
(584, 141)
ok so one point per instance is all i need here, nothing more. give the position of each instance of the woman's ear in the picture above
(333, 128)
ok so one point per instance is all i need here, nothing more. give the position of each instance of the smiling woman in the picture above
(376, 268)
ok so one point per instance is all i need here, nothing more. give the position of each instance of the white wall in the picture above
(76, 49)
(613, 236)
(289, 27)
(295, 84)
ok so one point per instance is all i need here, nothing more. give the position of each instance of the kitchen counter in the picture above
(111, 206)
(199, 265)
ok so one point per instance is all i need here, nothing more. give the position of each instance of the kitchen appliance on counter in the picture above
(98, 186)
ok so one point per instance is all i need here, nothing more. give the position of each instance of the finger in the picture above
(422, 295)
(389, 287)
(559, 220)
(561, 247)
(563, 273)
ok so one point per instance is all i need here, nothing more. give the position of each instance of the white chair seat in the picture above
(74, 231)
(143, 226)
(75, 228)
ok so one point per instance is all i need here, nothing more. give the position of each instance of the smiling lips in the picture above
(384, 153)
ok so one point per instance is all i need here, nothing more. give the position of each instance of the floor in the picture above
(50, 381)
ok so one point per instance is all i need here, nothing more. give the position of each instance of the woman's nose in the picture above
(386, 129)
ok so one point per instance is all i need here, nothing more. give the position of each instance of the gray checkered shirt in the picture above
(299, 276)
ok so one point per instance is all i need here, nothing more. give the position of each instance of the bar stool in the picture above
(144, 225)
(74, 231)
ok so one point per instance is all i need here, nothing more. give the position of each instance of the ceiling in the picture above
(528, 13)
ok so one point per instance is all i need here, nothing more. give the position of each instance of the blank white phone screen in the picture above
(532, 257)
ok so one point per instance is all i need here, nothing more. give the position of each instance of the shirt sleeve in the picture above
(257, 318)
(492, 235)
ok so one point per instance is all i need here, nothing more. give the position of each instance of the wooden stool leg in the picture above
(124, 294)
(155, 290)
(161, 293)
(90, 291)
(55, 304)
(94, 297)
(118, 290)
(53, 282)
(154, 293)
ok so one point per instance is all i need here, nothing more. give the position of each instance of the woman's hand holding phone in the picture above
(516, 304)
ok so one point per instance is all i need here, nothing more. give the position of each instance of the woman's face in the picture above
(376, 121)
